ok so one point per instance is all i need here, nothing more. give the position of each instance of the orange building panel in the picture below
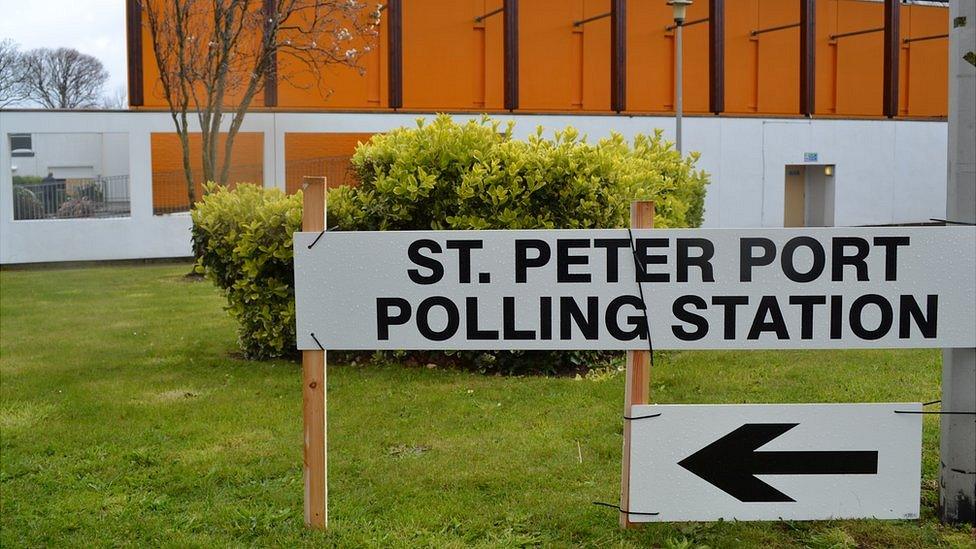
(450, 61)
(320, 154)
(337, 86)
(695, 39)
(778, 78)
(650, 61)
(859, 58)
(826, 58)
(154, 94)
(550, 55)
(925, 63)
(168, 179)
(595, 64)
(763, 69)
(741, 57)
(453, 63)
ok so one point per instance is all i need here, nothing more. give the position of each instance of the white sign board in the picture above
(576, 289)
(775, 462)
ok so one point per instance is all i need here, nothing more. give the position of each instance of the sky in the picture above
(95, 27)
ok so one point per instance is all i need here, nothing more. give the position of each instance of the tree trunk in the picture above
(182, 130)
(191, 190)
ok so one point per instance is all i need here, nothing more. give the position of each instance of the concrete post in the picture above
(957, 448)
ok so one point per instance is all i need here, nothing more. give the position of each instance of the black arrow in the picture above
(731, 462)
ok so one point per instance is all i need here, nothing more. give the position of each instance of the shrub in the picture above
(440, 176)
(445, 175)
(91, 190)
(472, 176)
(26, 204)
(242, 239)
(27, 179)
(76, 207)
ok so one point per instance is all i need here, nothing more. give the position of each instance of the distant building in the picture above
(69, 156)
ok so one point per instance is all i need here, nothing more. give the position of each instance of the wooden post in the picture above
(313, 384)
(637, 388)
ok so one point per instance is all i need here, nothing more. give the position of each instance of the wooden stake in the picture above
(637, 387)
(313, 383)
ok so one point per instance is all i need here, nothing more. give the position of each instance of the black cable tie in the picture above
(951, 222)
(640, 289)
(962, 471)
(315, 241)
(642, 417)
(317, 341)
(617, 507)
(931, 402)
(940, 413)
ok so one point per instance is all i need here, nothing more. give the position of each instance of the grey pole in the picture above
(678, 78)
(957, 446)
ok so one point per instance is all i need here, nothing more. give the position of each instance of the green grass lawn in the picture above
(126, 420)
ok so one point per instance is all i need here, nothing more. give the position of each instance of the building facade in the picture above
(804, 112)
(820, 58)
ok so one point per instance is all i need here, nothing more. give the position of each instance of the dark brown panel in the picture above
(133, 32)
(618, 55)
(892, 40)
(808, 57)
(270, 75)
(716, 56)
(510, 25)
(394, 38)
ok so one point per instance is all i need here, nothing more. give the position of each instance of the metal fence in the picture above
(98, 197)
(170, 190)
(337, 169)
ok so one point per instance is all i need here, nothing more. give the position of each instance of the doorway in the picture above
(808, 199)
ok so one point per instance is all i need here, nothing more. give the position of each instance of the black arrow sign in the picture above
(731, 463)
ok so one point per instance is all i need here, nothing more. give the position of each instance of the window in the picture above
(21, 145)
(169, 189)
(72, 175)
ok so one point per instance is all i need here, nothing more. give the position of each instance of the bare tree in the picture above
(117, 100)
(213, 57)
(63, 78)
(11, 74)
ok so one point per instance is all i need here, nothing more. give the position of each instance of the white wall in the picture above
(886, 171)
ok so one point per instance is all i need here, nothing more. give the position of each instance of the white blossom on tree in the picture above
(217, 76)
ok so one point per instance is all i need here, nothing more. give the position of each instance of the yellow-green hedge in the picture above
(441, 175)
(445, 175)
(243, 242)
